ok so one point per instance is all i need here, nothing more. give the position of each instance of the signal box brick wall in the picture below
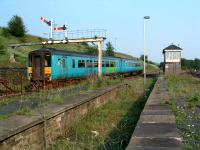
(172, 59)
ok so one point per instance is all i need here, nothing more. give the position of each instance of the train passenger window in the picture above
(81, 63)
(73, 63)
(89, 63)
(138, 65)
(107, 64)
(63, 63)
(47, 61)
(112, 64)
(95, 63)
(103, 64)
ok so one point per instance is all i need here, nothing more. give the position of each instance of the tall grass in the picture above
(108, 127)
(185, 89)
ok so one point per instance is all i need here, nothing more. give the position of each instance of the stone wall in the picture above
(38, 132)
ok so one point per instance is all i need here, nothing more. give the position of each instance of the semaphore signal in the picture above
(53, 28)
(45, 21)
(60, 28)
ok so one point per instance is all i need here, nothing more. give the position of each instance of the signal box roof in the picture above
(172, 47)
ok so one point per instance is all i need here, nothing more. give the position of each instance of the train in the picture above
(49, 64)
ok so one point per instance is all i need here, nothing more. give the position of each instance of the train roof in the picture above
(54, 51)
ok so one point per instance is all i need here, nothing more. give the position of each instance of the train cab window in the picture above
(81, 63)
(73, 63)
(30, 61)
(63, 63)
(47, 61)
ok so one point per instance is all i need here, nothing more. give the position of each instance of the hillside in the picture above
(20, 54)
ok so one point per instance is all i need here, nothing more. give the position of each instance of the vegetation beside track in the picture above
(22, 105)
(110, 126)
(185, 102)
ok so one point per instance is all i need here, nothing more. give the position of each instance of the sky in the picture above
(172, 21)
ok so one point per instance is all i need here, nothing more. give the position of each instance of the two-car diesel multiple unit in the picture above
(49, 64)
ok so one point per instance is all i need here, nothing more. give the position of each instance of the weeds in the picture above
(2, 117)
(110, 126)
(24, 111)
(187, 89)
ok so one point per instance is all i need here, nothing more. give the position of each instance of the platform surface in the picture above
(156, 128)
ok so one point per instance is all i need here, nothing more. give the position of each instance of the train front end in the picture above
(39, 66)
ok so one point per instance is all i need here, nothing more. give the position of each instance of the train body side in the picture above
(67, 67)
(50, 65)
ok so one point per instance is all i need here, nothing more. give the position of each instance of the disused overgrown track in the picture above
(14, 82)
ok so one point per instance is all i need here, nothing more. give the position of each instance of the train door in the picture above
(123, 66)
(38, 67)
(64, 68)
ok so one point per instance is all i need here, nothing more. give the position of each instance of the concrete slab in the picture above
(156, 142)
(156, 107)
(152, 148)
(157, 119)
(157, 112)
(156, 130)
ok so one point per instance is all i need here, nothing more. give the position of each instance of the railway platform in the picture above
(156, 128)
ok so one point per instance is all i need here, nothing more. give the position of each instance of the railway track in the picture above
(195, 73)
(10, 92)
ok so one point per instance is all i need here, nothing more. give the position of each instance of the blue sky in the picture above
(172, 21)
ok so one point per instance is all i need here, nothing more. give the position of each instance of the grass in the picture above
(3, 117)
(21, 53)
(24, 111)
(57, 96)
(186, 89)
(110, 126)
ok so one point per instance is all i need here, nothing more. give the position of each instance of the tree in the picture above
(109, 49)
(16, 26)
(92, 50)
(190, 64)
(142, 58)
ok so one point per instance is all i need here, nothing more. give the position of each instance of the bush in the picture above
(2, 47)
(109, 49)
(5, 32)
(16, 26)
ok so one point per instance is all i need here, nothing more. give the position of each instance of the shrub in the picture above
(5, 32)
